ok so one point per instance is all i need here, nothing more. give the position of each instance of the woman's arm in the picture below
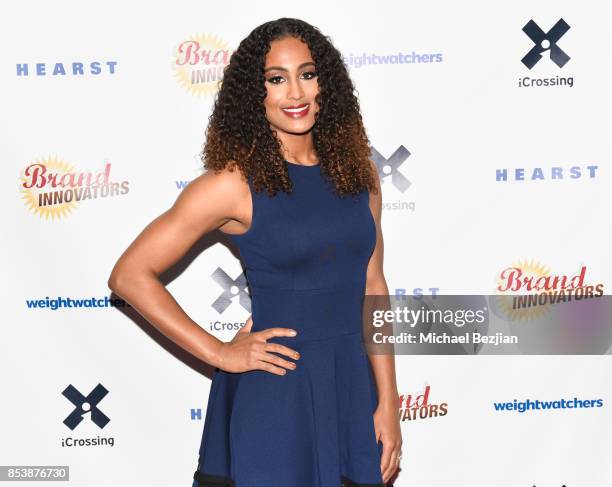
(208, 202)
(386, 417)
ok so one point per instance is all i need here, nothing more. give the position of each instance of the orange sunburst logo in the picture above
(52, 188)
(198, 63)
(506, 299)
(31, 191)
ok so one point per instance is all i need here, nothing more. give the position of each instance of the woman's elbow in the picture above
(116, 279)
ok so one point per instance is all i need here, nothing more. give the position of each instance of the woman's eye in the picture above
(275, 80)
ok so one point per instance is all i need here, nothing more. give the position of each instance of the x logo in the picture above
(390, 167)
(545, 42)
(231, 288)
(85, 404)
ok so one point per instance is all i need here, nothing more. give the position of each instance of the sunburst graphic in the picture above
(201, 78)
(30, 195)
(505, 299)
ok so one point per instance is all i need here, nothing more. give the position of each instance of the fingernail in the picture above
(293, 332)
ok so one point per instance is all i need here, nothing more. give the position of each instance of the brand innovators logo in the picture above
(413, 407)
(198, 63)
(389, 170)
(86, 406)
(545, 44)
(52, 187)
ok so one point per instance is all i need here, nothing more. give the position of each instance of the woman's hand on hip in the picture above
(251, 351)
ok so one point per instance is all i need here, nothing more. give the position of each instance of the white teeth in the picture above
(295, 110)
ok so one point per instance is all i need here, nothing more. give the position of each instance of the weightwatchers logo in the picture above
(545, 45)
(52, 188)
(371, 59)
(60, 302)
(538, 405)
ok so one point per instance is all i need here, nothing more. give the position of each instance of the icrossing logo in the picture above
(86, 405)
(231, 289)
(390, 167)
(545, 42)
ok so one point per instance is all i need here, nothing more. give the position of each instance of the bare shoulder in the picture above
(219, 195)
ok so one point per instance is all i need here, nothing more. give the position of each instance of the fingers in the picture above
(264, 358)
(261, 365)
(385, 460)
(247, 325)
(278, 348)
(276, 360)
(277, 332)
(389, 459)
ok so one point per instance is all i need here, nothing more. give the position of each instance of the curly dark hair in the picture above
(244, 138)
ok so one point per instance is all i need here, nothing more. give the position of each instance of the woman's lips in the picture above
(297, 111)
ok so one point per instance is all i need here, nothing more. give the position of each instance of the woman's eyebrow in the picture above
(280, 68)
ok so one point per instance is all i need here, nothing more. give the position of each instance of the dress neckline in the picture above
(302, 165)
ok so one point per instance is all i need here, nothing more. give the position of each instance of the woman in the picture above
(295, 401)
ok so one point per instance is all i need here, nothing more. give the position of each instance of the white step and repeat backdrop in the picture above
(491, 156)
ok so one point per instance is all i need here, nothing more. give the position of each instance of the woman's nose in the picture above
(295, 90)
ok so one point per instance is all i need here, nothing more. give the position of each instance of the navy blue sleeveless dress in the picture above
(305, 256)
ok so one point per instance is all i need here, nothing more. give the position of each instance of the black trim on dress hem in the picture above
(207, 480)
(346, 482)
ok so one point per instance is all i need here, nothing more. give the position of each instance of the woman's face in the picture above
(291, 83)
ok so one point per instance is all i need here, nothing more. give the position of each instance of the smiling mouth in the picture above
(297, 111)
